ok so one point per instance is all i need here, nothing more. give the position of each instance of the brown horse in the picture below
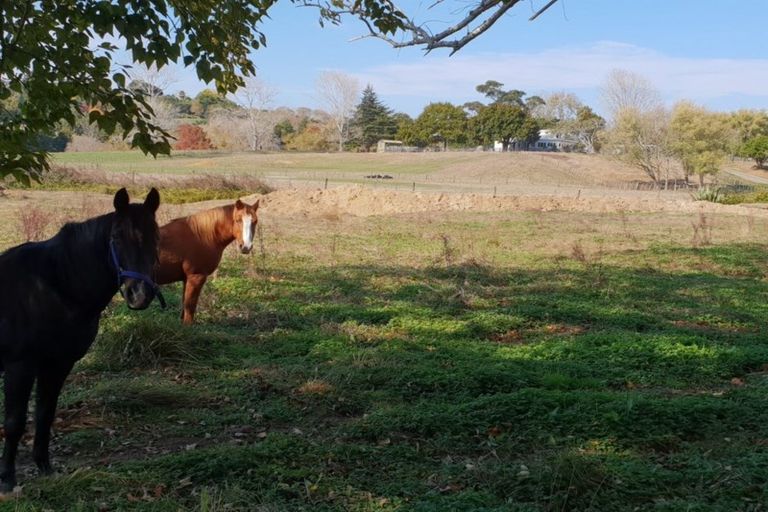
(191, 247)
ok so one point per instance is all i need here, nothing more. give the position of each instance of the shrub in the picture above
(757, 149)
(86, 143)
(314, 137)
(33, 223)
(713, 194)
(759, 195)
(192, 137)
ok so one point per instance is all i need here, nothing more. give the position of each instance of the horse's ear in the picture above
(256, 204)
(121, 200)
(153, 200)
(239, 205)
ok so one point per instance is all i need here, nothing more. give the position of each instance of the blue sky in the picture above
(710, 51)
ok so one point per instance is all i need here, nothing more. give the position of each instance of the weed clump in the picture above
(33, 223)
(144, 342)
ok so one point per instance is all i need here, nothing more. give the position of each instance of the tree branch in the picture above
(478, 20)
(541, 11)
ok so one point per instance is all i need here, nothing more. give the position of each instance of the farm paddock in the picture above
(465, 357)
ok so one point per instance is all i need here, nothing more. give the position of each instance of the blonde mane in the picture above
(206, 225)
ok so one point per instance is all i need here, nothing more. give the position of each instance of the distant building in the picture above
(549, 141)
(394, 146)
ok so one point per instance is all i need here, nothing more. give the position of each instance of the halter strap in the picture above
(130, 274)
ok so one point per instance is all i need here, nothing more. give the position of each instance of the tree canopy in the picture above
(698, 138)
(505, 123)
(492, 90)
(640, 138)
(757, 149)
(565, 115)
(441, 123)
(56, 55)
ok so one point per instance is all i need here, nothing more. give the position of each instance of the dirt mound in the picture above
(362, 201)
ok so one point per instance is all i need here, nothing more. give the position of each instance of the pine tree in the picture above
(372, 121)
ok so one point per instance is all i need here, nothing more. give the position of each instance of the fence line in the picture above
(336, 180)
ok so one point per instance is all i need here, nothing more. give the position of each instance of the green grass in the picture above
(459, 362)
(299, 164)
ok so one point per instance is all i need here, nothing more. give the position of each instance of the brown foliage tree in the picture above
(193, 137)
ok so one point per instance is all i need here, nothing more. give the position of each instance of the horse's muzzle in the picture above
(138, 294)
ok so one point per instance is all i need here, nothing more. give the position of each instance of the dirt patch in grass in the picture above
(523, 336)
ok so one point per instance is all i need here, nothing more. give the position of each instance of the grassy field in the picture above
(482, 172)
(518, 361)
(270, 164)
(452, 171)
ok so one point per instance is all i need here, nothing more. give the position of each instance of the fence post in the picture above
(326, 183)
(413, 189)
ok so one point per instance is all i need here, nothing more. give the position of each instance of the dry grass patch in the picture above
(175, 189)
(315, 387)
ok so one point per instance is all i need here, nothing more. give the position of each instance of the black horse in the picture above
(52, 294)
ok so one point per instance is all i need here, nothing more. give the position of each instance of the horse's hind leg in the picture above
(50, 378)
(19, 377)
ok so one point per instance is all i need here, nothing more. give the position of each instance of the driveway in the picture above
(748, 177)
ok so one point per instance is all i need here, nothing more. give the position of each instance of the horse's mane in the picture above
(87, 230)
(204, 224)
(77, 243)
(68, 261)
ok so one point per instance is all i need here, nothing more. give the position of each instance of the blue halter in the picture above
(123, 274)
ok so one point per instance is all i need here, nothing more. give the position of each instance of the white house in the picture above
(549, 141)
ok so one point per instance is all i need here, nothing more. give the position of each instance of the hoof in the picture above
(45, 468)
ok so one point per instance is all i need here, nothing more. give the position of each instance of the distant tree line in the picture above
(646, 134)
(640, 130)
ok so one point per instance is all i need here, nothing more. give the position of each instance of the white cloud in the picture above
(570, 68)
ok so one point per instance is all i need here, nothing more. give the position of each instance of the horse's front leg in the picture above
(19, 377)
(192, 290)
(183, 295)
(50, 378)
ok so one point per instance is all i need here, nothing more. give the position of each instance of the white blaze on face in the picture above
(247, 232)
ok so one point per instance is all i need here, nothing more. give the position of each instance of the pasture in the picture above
(510, 173)
(515, 358)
